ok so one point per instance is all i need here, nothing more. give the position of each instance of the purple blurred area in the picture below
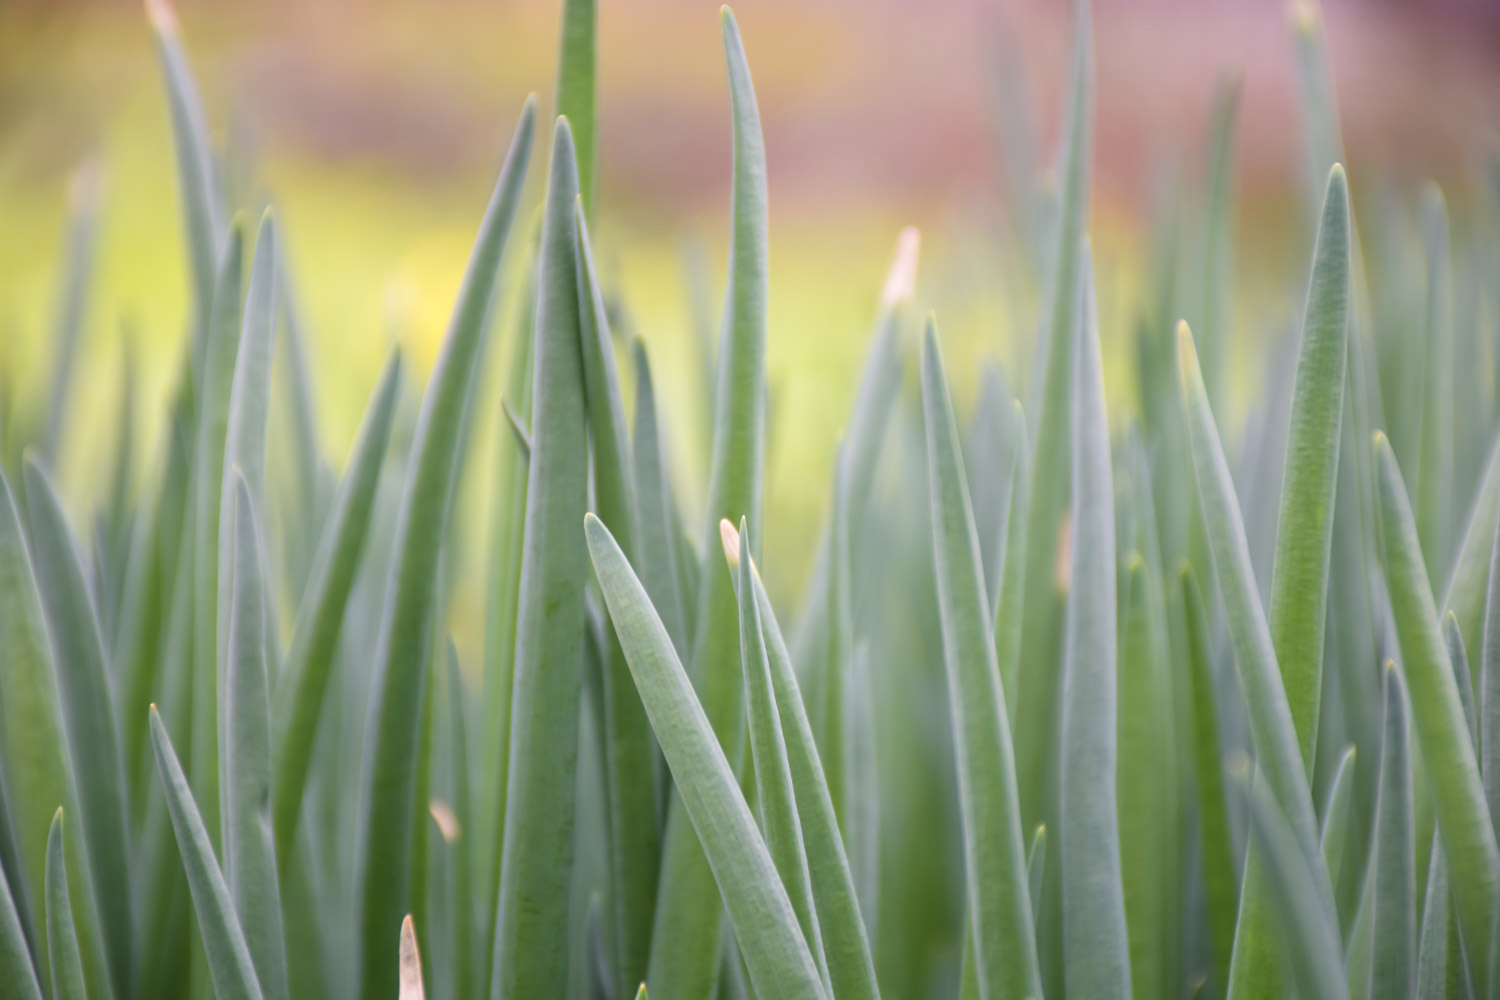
(877, 101)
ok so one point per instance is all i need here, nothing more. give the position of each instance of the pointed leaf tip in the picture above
(411, 963)
(901, 280)
(163, 17)
(731, 540)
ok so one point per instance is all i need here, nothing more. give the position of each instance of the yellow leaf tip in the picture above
(731, 541)
(446, 820)
(411, 963)
(163, 17)
(901, 279)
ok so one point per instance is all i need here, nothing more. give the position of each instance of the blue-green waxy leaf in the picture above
(1220, 887)
(63, 955)
(1304, 531)
(1307, 928)
(1094, 935)
(1253, 971)
(1036, 866)
(300, 689)
(657, 519)
(630, 758)
(530, 946)
(249, 852)
(36, 772)
(1335, 832)
(202, 213)
(1393, 967)
(1468, 586)
(1218, 238)
(84, 198)
(389, 781)
(229, 962)
(685, 939)
(999, 914)
(765, 925)
(88, 719)
(16, 973)
(1434, 475)
(1040, 683)
(215, 387)
(775, 794)
(1442, 735)
(1489, 689)
(578, 88)
(1011, 598)
(846, 947)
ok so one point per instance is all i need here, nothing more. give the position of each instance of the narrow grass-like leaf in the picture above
(1220, 888)
(775, 953)
(1335, 832)
(1468, 587)
(63, 955)
(1463, 678)
(1489, 689)
(1304, 527)
(1308, 931)
(775, 795)
(1393, 969)
(388, 782)
(83, 682)
(215, 388)
(303, 682)
(245, 449)
(229, 962)
(630, 757)
(1010, 600)
(518, 429)
(659, 537)
(1036, 866)
(1434, 474)
(846, 947)
(1095, 940)
(1253, 970)
(999, 912)
(249, 852)
(530, 946)
(1436, 966)
(1040, 683)
(685, 939)
(17, 976)
(1458, 796)
(578, 90)
(1218, 237)
(84, 198)
(202, 214)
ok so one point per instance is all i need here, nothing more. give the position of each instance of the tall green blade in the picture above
(775, 794)
(630, 758)
(846, 947)
(221, 349)
(83, 683)
(36, 771)
(1335, 833)
(229, 962)
(1040, 685)
(765, 926)
(998, 912)
(530, 946)
(659, 532)
(1308, 931)
(1254, 970)
(578, 90)
(685, 939)
(1095, 941)
(16, 973)
(1011, 599)
(1304, 528)
(63, 955)
(1489, 689)
(1218, 238)
(84, 198)
(1394, 966)
(389, 780)
(303, 683)
(1463, 819)
(1220, 887)
(1434, 475)
(202, 214)
(249, 851)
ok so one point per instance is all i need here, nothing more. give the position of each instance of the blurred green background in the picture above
(375, 128)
